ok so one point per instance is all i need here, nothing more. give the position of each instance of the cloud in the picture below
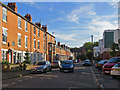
(65, 36)
(83, 11)
(113, 4)
(50, 9)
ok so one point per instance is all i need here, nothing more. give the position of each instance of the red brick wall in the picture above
(0, 33)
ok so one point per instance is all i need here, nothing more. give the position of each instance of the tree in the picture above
(27, 57)
(113, 49)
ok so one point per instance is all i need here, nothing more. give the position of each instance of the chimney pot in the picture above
(12, 6)
(44, 27)
(38, 24)
(28, 16)
(58, 43)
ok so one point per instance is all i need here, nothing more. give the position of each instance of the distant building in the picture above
(96, 51)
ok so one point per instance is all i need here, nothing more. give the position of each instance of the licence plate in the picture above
(107, 72)
(98, 65)
(66, 70)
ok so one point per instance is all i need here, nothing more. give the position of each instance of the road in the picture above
(83, 77)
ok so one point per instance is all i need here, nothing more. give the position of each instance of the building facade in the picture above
(0, 32)
(20, 35)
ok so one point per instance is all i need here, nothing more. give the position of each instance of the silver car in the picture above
(41, 66)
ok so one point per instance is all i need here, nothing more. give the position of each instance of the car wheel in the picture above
(50, 69)
(114, 77)
(61, 70)
(45, 70)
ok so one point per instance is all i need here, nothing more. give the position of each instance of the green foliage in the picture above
(5, 62)
(113, 49)
(27, 58)
(86, 50)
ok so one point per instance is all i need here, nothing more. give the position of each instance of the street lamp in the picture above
(119, 44)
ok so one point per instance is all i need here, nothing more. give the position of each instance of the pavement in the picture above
(84, 77)
(9, 75)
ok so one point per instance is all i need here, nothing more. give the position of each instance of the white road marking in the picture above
(20, 80)
(13, 82)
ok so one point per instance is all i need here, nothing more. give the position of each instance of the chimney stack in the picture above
(58, 43)
(12, 6)
(38, 24)
(62, 45)
(44, 27)
(28, 16)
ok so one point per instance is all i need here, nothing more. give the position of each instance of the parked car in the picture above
(75, 61)
(56, 64)
(87, 63)
(115, 71)
(41, 66)
(100, 64)
(67, 65)
(108, 66)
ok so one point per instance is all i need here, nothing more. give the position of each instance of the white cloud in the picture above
(50, 9)
(65, 36)
(83, 11)
(114, 4)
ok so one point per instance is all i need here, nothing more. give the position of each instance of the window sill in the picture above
(4, 42)
(19, 45)
(26, 31)
(19, 28)
(4, 21)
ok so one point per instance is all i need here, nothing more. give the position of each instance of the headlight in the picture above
(60, 66)
(71, 66)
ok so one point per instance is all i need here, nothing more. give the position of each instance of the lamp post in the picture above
(119, 44)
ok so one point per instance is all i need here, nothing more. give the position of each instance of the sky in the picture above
(73, 23)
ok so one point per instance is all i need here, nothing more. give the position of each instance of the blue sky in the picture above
(73, 23)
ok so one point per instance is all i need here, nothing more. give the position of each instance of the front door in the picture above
(14, 57)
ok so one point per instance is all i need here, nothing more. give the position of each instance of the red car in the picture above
(108, 66)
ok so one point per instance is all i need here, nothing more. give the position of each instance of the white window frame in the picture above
(34, 44)
(4, 29)
(19, 22)
(19, 34)
(38, 44)
(26, 41)
(4, 13)
(26, 26)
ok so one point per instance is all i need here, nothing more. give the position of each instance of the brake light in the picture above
(112, 69)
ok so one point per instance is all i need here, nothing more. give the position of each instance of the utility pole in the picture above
(92, 47)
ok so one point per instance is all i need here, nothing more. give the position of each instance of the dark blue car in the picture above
(67, 65)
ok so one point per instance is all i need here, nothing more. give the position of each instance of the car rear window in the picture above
(66, 62)
(114, 60)
(40, 63)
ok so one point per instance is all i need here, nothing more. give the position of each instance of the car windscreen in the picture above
(102, 62)
(117, 65)
(40, 63)
(66, 62)
(114, 60)
(55, 62)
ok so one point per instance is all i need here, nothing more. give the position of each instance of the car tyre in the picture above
(45, 70)
(50, 69)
